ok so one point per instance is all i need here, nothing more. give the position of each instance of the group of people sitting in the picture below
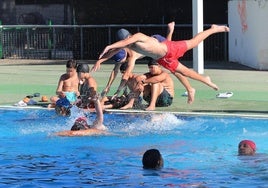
(77, 87)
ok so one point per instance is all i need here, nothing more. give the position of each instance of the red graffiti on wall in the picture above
(242, 11)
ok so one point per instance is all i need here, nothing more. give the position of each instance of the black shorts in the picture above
(164, 99)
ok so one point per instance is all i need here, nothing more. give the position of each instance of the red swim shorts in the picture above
(176, 49)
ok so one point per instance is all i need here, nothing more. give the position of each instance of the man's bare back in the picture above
(148, 46)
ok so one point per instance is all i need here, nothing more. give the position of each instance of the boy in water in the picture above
(152, 159)
(246, 147)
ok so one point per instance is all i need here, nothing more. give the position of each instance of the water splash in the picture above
(153, 123)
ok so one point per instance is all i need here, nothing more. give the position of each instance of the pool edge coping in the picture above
(151, 112)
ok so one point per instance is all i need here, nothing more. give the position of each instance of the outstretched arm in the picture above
(106, 57)
(98, 123)
(111, 79)
(123, 43)
(131, 63)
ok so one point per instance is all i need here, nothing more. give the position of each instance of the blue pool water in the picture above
(198, 151)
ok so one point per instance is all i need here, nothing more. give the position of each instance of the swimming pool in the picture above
(198, 151)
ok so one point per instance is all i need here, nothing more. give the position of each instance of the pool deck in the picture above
(19, 78)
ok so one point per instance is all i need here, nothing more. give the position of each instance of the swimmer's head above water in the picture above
(80, 124)
(152, 159)
(246, 147)
(63, 107)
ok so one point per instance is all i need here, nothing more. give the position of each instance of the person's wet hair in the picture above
(152, 159)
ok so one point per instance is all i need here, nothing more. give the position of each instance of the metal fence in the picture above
(87, 41)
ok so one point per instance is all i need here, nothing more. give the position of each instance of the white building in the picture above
(248, 37)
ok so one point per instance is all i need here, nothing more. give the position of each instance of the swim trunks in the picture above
(164, 99)
(176, 49)
(71, 96)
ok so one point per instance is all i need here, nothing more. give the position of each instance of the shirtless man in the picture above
(67, 84)
(126, 55)
(159, 87)
(167, 53)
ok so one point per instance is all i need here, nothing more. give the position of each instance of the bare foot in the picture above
(220, 28)
(51, 105)
(126, 107)
(150, 108)
(211, 84)
(171, 26)
(191, 95)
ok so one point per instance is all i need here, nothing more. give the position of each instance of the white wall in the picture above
(248, 37)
